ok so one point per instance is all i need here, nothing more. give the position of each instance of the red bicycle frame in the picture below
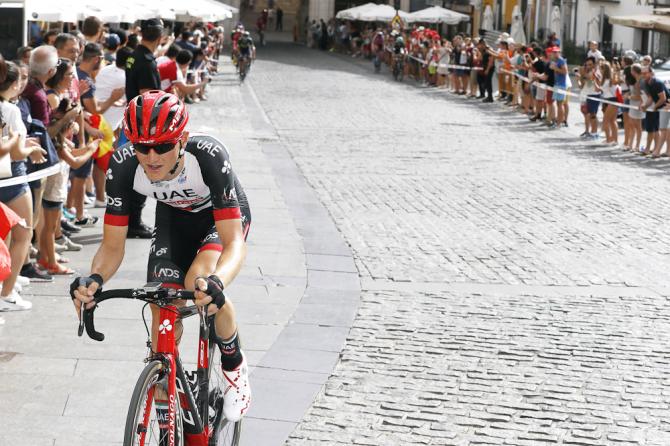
(198, 432)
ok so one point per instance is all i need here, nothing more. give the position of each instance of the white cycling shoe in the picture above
(236, 391)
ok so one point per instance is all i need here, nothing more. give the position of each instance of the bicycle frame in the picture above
(195, 413)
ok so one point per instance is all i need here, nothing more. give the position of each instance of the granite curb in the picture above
(293, 371)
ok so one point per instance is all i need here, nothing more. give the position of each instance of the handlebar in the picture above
(155, 295)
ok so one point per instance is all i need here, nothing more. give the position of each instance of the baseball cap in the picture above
(112, 41)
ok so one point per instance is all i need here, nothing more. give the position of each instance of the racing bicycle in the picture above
(170, 406)
(398, 66)
(244, 65)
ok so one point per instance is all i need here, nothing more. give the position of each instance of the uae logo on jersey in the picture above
(109, 175)
(226, 167)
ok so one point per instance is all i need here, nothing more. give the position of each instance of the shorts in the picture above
(55, 186)
(11, 193)
(592, 105)
(84, 171)
(52, 205)
(540, 93)
(178, 237)
(462, 72)
(635, 113)
(549, 97)
(663, 120)
(651, 122)
(560, 96)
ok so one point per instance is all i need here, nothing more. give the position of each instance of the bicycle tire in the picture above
(151, 376)
(224, 433)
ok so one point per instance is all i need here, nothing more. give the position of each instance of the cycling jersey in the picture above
(207, 190)
(206, 181)
(245, 44)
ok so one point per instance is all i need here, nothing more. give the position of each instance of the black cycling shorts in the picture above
(178, 237)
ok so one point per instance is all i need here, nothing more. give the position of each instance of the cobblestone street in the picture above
(514, 282)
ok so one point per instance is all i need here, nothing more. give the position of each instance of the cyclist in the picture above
(202, 220)
(235, 37)
(246, 50)
(399, 49)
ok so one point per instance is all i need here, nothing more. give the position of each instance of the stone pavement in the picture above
(58, 389)
(514, 281)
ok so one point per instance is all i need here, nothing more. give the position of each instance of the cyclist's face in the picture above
(157, 166)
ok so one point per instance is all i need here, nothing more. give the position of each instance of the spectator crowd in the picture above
(61, 109)
(533, 78)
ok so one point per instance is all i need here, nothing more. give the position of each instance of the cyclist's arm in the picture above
(234, 250)
(111, 251)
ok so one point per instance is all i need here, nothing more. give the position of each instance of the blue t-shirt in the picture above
(84, 76)
(561, 78)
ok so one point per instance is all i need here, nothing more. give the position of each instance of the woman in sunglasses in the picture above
(202, 221)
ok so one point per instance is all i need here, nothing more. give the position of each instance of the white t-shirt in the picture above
(597, 54)
(110, 78)
(608, 90)
(11, 118)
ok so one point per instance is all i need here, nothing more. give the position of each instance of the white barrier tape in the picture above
(31, 176)
(570, 93)
(460, 67)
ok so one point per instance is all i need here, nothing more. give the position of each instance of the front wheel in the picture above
(147, 422)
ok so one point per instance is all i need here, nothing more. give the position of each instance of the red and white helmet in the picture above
(155, 117)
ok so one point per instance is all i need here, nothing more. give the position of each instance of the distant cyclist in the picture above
(235, 37)
(202, 221)
(246, 50)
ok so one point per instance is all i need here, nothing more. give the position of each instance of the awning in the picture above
(644, 21)
(437, 14)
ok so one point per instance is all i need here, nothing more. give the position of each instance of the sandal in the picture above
(61, 259)
(55, 270)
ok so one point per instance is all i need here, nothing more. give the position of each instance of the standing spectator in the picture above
(142, 75)
(172, 72)
(280, 19)
(538, 78)
(608, 88)
(64, 113)
(43, 62)
(90, 64)
(626, 90)
(560, 68)
(50, 37)
(485, 77)
(92, 30)
(112, 44)
(589, 82)
(594, 52)
(656, 100)
(111, 78)
(16, 197)
(23, 54)
(635, 113)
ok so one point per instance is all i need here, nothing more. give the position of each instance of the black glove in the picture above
(85, 281)
(215, 289)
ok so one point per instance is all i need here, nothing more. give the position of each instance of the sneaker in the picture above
(18, 288)
(553, 125)
(68, 244)
(23, 281)
(86, 222)
(236, 392)
(88, 200)
(66, 225)
(14, 302)
(69, 214)
(100, 204)
(35, 274)
(33, 252)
